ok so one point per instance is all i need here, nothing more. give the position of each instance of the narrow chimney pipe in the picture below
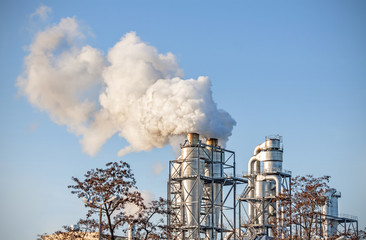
(212, 142)
(193, 138)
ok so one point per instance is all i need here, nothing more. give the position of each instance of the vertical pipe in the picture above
(199, 190)
(100, 222)
(234, 208)
(234, 200)
(290, 209)
(252, 169)
(222, 160)
(169, 197)
(169, 202)
(239, 202)
(213, 170)
(221, 210)
(263, 228)
(212, 194)
(191, 184)
(131, 232)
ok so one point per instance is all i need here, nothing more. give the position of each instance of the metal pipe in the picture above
(213, 169)
(260, 191)
(251, 162)
(259, 148)
(275, 178)
(193, 138)
(131, 232)
(192, 168)
(100, 222)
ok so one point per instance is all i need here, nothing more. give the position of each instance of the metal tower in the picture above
(259, 209)
(201, 191)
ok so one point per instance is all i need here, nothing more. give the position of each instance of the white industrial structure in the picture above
(202, 189)
(266, 180)
(331, 222)
(203, 186)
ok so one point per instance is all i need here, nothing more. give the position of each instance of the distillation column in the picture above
(265, 182)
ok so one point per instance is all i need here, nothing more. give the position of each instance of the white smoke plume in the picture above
(42, 12)
(158, 167)
(132, 209)
(133, 91)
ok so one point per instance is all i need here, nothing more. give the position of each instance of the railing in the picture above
(272, 136)
(337, 194)
(343, 215)
(268, 170)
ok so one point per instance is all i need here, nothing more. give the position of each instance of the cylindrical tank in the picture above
(267, 161)
(192, 157)
(259, 191)
(213, 169)
(330, 210)
(262, 188)
(193, 165)
(331, 207)
(272, 155)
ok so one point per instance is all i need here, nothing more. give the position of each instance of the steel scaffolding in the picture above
(201, 191)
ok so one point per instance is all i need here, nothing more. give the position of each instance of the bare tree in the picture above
(151, 221)
(99, 185)
(302, 209)
(362, 234)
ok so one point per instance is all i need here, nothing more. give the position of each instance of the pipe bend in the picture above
(250, 164)
(277, 180)
(259, 148)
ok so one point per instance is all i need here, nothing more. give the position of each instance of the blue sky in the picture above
(294, 68)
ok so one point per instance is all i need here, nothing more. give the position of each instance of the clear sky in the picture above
(294, 68)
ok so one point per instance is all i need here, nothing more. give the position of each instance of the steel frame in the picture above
(251, 229)
(228, 182)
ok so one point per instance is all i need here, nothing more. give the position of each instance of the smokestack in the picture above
(193, 138)
(196, 189)
(212, 142)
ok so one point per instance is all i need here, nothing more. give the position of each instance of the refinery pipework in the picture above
(266, 181)
(203, 186)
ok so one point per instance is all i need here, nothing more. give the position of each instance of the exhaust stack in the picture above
(196, 190)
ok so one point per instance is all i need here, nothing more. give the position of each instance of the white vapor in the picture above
(132, 209)
(157, 168)
(133, 91)
(42, 12)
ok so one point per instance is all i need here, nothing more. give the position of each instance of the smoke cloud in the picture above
(133, 91)
(157, 168)
(42, 12)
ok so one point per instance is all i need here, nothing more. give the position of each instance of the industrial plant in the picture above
(210, 201)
